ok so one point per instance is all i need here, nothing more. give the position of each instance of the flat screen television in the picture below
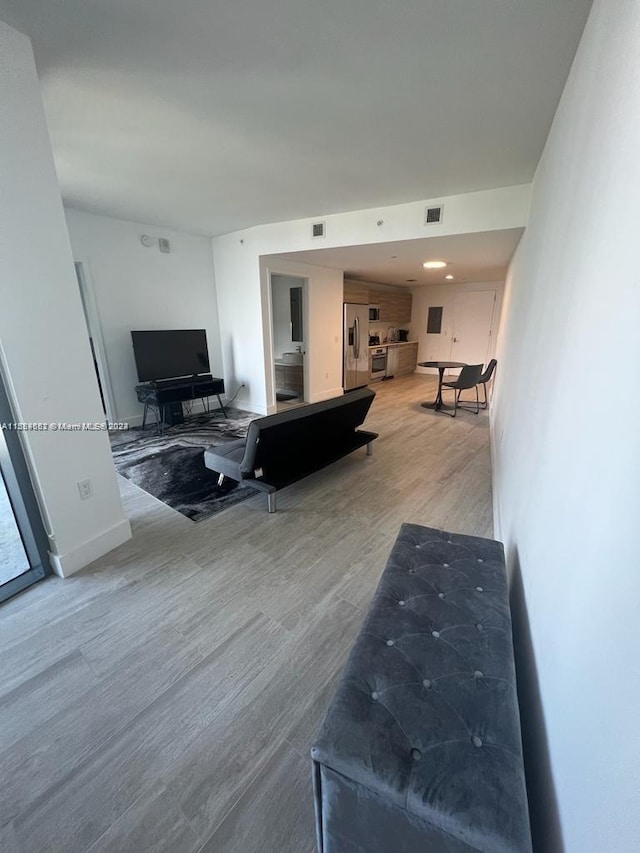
(170, 353)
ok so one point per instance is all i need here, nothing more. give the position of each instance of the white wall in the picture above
(142, 288)
(566, 451)
(438, 347)
(47, 361)
(241, 298)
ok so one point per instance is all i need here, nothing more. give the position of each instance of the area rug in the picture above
(171, 466)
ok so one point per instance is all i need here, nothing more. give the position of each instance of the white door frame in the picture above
(270, 368)
(94, 330)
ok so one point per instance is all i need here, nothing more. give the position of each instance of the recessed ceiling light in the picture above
(449, 277)
(394, 256)
(434, 265)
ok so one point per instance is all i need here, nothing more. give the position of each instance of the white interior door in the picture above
(472, 325)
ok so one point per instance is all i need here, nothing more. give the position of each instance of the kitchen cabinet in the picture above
(356, 291)
(401, 358)
(395, 306)
(289, 378)
(404, 302)
(407, 358)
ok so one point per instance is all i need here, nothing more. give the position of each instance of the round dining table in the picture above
(442, 366)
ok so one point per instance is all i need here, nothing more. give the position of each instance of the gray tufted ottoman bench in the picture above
(420, 749)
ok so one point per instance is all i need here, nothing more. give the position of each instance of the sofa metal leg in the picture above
(220, 479)
(271, 501)
(369, 448)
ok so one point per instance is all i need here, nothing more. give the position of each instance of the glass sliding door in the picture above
(23, 542)
(13, 557)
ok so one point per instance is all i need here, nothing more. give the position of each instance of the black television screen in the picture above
(170, 353)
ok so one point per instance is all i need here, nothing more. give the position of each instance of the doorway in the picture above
(288, 330)
(96, 343)
(472, 326)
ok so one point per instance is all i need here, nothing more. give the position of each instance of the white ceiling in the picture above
(213, 116)
(469, 257)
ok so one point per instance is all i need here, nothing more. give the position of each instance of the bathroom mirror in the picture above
(295, 297)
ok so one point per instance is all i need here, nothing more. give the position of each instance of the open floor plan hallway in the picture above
(165, 698)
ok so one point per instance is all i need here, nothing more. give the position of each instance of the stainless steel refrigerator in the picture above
(355, 371)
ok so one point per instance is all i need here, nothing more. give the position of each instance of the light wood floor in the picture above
(165, 699)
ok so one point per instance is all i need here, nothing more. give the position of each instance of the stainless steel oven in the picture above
(378, 363)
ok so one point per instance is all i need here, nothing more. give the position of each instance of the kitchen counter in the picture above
(393, 344)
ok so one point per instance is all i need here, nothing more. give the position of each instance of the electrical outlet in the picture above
(86, 489)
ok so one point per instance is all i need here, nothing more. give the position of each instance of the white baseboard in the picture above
(248, 406)
(132, 420)
(68, 564)
(327, 395)
(497, 518)
(197, 407)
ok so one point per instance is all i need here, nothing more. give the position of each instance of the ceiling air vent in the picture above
(434, 215)
(318, 229)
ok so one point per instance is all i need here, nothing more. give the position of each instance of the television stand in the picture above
(166, 396)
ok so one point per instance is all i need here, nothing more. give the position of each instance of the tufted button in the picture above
(435, 634)
(418, 546)
(480, 626)
(416, 754)
(480, 561)
(428, 683)
(476, 741)
(412, 571)
(446, 565)
(480, 589)
(402, 603)
(441, 595)
(449, 541)
(375, 696)
(390, 643)
(478, 674)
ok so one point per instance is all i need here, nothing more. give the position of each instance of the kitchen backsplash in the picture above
(382, 331)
